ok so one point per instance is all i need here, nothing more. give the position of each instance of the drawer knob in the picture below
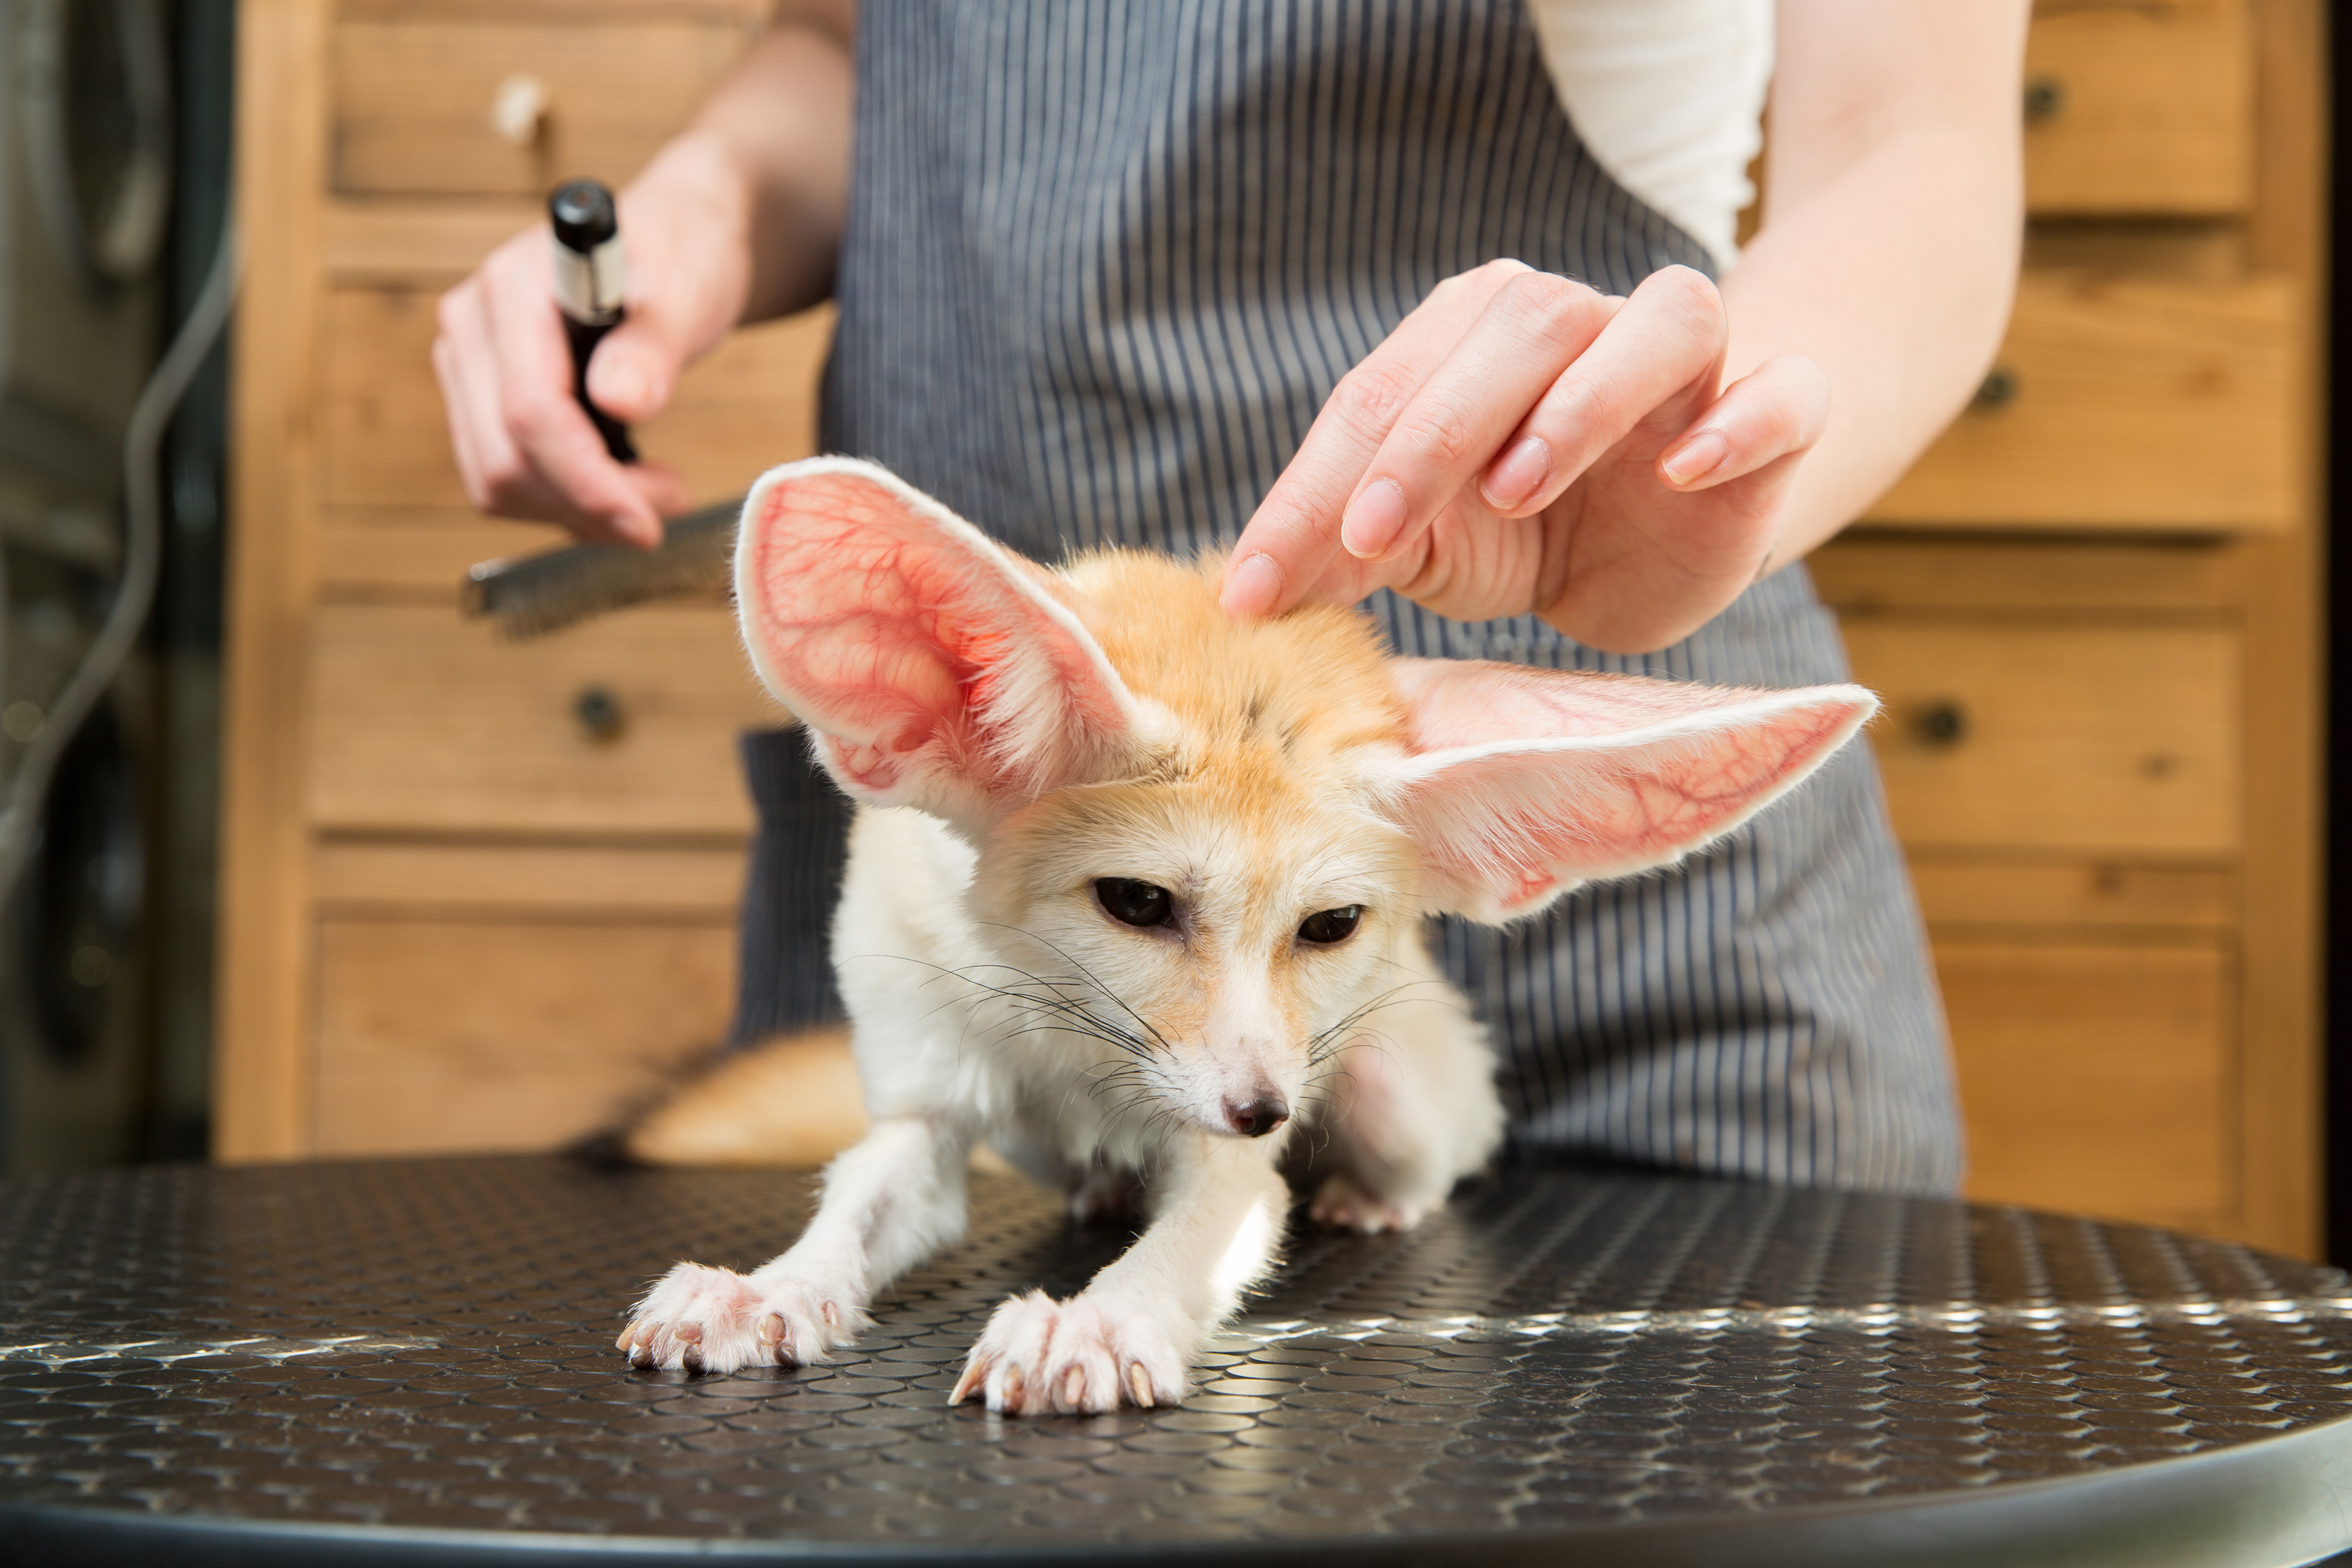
(1940, 725)
(2045, 100)
(519, 108)
(1997, 390)
(598, 712)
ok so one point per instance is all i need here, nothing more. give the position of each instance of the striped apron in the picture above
(1104, 264)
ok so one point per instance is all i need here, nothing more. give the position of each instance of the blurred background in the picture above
(429, 891)
(114, 157)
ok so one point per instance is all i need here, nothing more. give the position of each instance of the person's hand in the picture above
(1522, 442)
(524, 446)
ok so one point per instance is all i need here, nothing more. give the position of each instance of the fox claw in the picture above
(702, 1320)
(1075, 1356)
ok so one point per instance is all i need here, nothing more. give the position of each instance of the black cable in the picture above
(142, 559)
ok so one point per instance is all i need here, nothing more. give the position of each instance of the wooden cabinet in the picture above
(479, 893)
(422, 723)
(417, 108)
(2134, 724)
(2140, 107)
(2103, 371)
(2098, 1073)
(2092, 608)
(2083, 770)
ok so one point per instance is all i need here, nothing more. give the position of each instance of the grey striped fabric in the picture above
(1105, 263)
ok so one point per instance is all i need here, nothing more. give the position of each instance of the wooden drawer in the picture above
(748, 406)
(438, 1036)
(412, 98)
(1976, 891)
(2140, 108)
(406, 878)
(2130, 404)
(423, 721)
(2016, 733)
(2097, 1079)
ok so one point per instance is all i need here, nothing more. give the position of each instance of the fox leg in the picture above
(890, 1201)
(1130, 1337)
(1412, 1111)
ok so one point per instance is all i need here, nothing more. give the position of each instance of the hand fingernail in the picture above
(1516, 474)
(1252, 586)
(1373, 521)
(1696, 458)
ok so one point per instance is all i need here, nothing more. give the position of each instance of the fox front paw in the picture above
(1343, 1205)
(700, 1319)
(1077, 1356)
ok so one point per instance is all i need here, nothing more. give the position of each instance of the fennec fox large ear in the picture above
(934, 666)
(1523, 783)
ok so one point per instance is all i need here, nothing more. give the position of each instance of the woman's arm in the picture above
(736, 219)
(1625, 469)
(1894, 200)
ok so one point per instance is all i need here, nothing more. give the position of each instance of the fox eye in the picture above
(1135, 903)
(1325, 926)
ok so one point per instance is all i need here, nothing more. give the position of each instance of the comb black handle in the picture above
(590, 282)
(583, 337)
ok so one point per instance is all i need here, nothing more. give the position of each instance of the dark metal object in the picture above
(585, 222)
(1997, 390)
(2045, 100)
(534, 594)
(583, 337)
(1942, 724)
(412, 1363)
(598, 712)
(582, 215)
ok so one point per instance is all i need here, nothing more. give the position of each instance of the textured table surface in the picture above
(401, 1361)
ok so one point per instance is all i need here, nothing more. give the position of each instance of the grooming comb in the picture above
(531, 595)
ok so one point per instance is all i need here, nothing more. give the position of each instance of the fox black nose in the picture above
(1255, 1118)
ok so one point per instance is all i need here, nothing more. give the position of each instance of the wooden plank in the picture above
(423, 722)
(395, 240)
(2138, 110)
(1868, 570)
(2096, 1079)
(2098, 738)
(413, 98)
(2142, 404)
(485, 1035)
(2191, 250)
(2284, 1072)
(748, 405)
(261, 1068)
(736, 13)
(379, 552)
(587, 880)
(1957, 889)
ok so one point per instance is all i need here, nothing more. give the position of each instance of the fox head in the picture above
(1225, 828)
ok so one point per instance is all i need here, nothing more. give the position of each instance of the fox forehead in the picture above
(1255, 804)
(1287, 699)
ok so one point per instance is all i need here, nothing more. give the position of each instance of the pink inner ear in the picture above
(1475, 702)
(1526, 821)
(1525, 782)
(906, 640)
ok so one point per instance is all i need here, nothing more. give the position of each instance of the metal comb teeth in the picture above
(530, 596)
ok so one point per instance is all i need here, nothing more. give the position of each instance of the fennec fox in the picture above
(1136, 891)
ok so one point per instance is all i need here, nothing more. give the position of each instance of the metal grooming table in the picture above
(410, 1362)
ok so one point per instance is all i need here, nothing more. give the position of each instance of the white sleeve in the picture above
(1669, 97)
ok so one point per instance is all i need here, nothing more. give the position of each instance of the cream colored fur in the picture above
(1025, 735)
